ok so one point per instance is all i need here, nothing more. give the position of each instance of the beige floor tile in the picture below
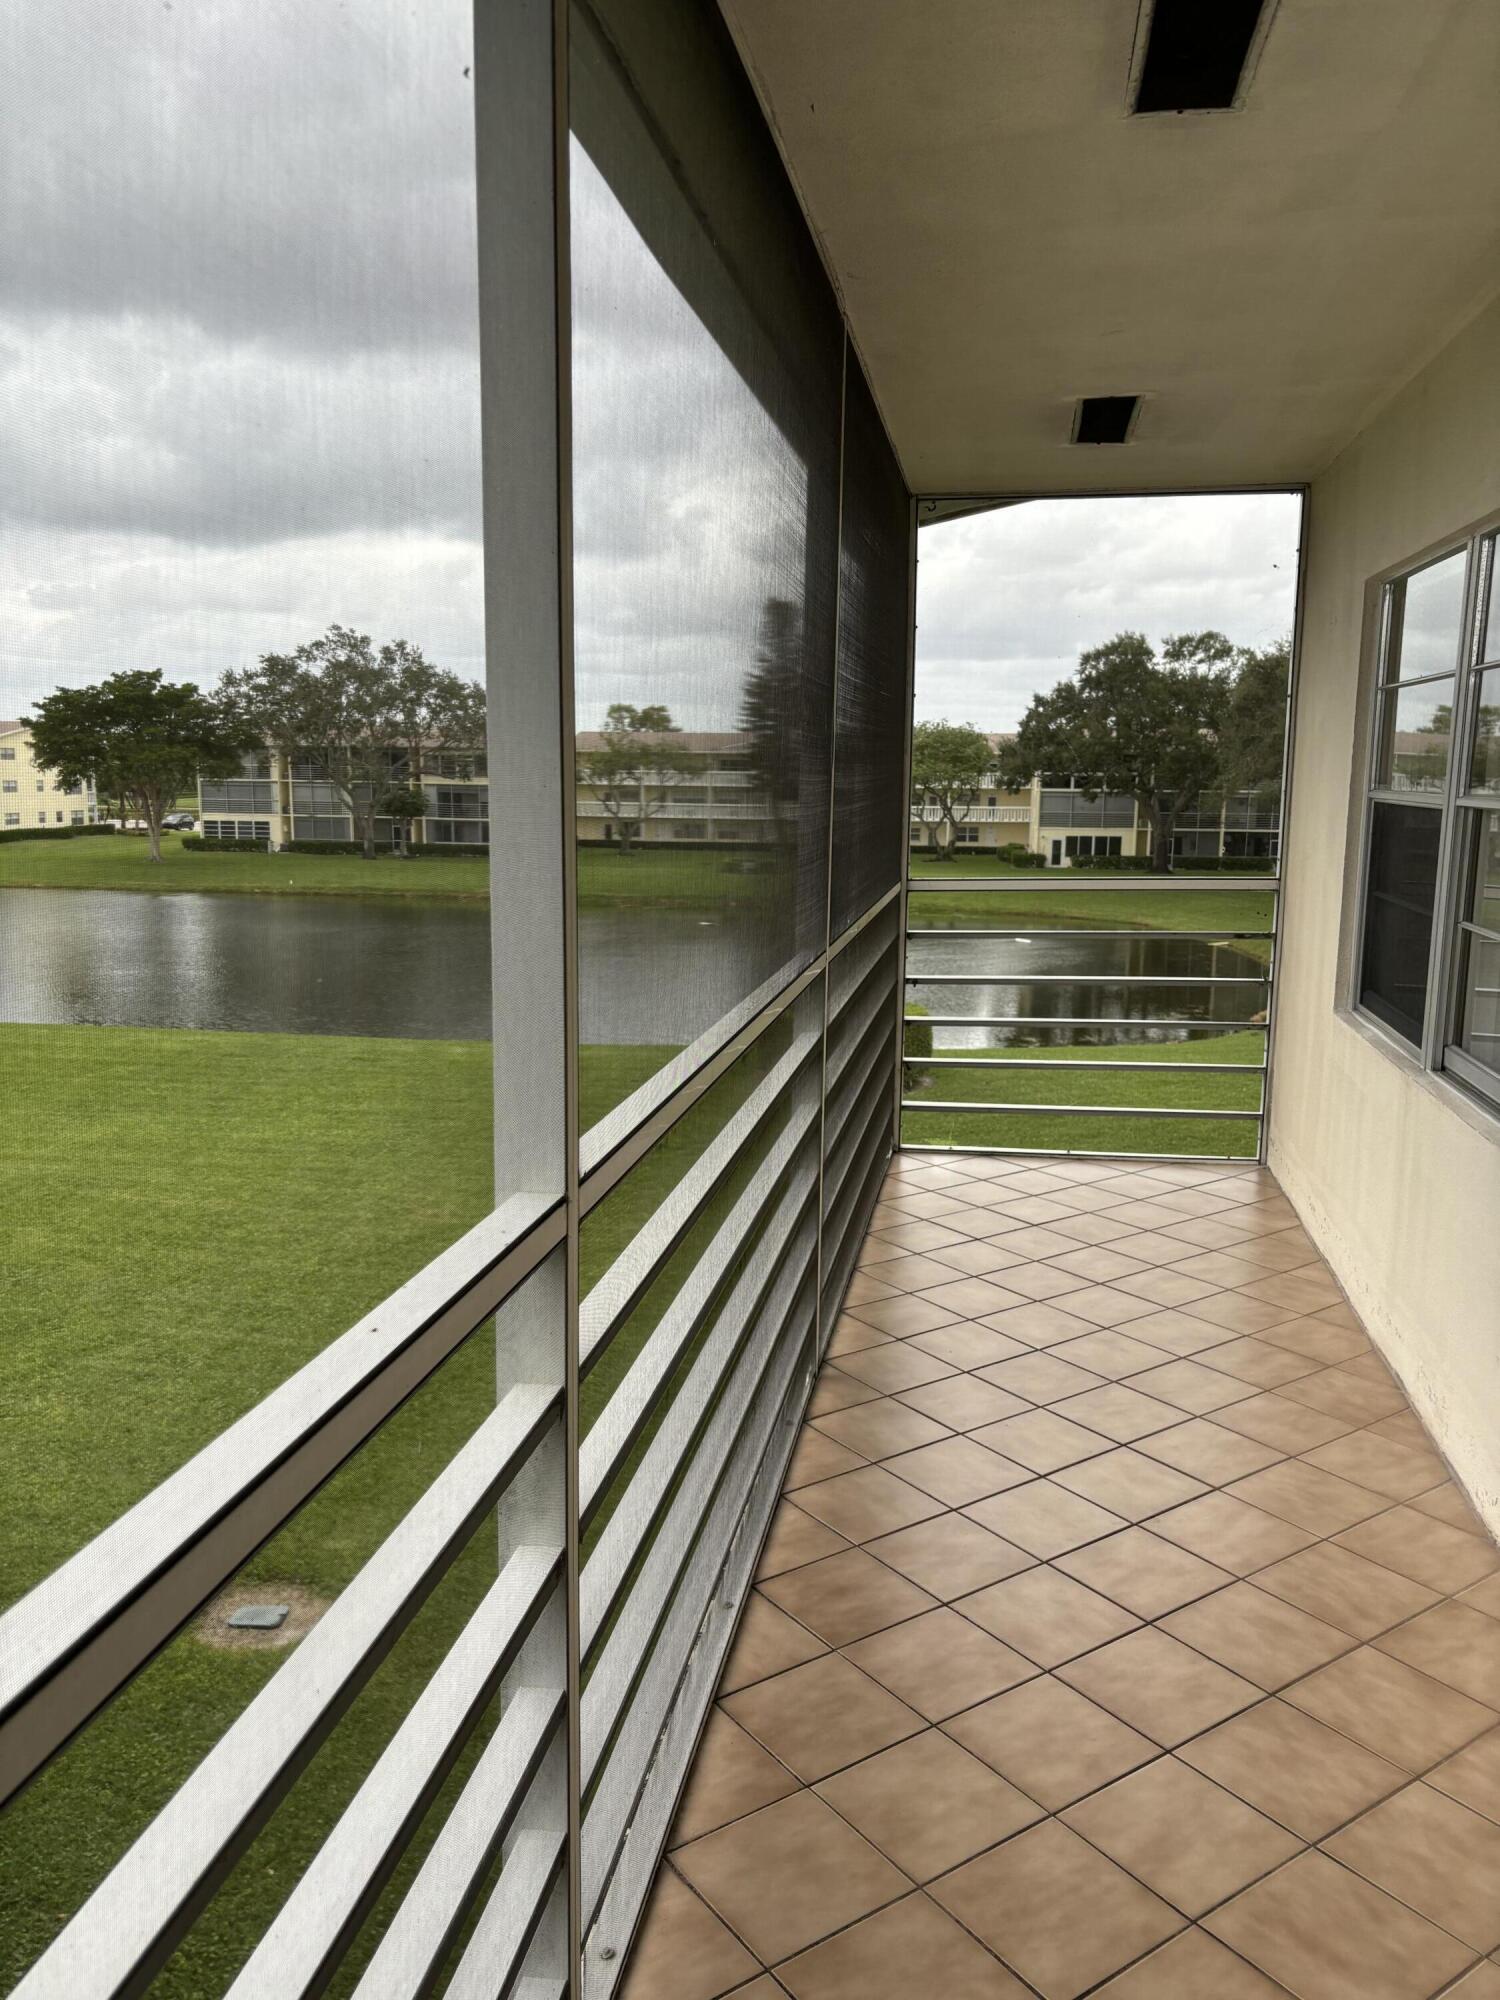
(962, 1402)
(971, 1298)
(1380, 1463)
(1099, 1265)
(1435, 1855)
(1328, 1935)
(849, 1336)
(1473, 1776)
(1257, 1635)
(1299, 1291)
(1360, 1597)
(1403, 1428)
(818, 1718)
(1483, 1983)
(732, 1775)
(1206, 1451)
(796, 1538)
(950, 1555)
(977, 1260)
(1047, 1616)
(683, 1951)
(1341, 1393)
(1106, 1306)
(863, 1287)
(957, 1471)
(1191, 1386)
(1316, 1339)
(1268, 1418)
(1262, 1363)
(1051, 1741)
(1456, 1645)
(835, 1390)
(1308, 1496)
(940, 1663)
(878, 1430)
(846, 1596)
(1042, 1440)
(767, 1642)
(928, 1804)
(1192, 1966)
(917, 1235)
(1429, 1552)
(1231, 1533)
(1157, 1685)
(1186, 1838)
(860, 1505)
(1148, 1576)
(816, 1457)
(1023, 1900)
(910, 1948)
(1111, 1353)
(1040, 1282)
(1029, 1240)
(1039, 1324)
(966, 1344)
(909, 1313)
(1451, 1504)
(1181, 1332)
(1043, 1518)
(896, 1364)
(1391, 1709)
(903, 1274)
(1120, 1412)
(1293, 1768)
(1041, 1377)
(1129, 1484)
(1164, 1286)
(1484, 1596)
(789, 1875)
(1280, 1250)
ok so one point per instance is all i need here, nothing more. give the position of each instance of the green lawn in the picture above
(191, 1217)
(684, 878)
(1001, 1082)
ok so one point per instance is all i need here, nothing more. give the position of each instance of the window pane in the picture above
(1479, 1005)
(1484, 902)
(1490, 638)
(1398, 915)
(1429, 607)
(1484, 761)
(1416, 733)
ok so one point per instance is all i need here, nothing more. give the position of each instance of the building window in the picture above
(10, 785)
(12, 819)
(1429, 948)
(7, 756)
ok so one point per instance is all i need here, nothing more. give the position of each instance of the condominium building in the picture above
(32, 796)
(275, 798)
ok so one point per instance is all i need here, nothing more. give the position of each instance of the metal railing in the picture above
(1000, 1123)
(674, 1486)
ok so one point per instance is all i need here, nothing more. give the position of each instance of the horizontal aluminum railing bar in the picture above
(606, 1572)
(1037, 931)
(843, 1139)
(845, 1228)
(410, 1956)
(1066, 881)
(617, 1292)
(1074, 1110)
(661, 1649)
(129, 1927)
(856, 1058)
(1089, 978)
(1246, 1160)
(1123, 1025)
(495, 1954)
(847, 1161)
(300, 1952)
(1082, 1066)
(650, 1373)
(74, 1641)
(848, 1032)
(612, 1147)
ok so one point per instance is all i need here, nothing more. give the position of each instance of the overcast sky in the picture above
(239, 397)
(1007, 600)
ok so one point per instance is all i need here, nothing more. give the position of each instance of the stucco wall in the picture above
(1397, 1180)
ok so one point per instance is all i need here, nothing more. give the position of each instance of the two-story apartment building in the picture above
(275, 798)
(31, 796)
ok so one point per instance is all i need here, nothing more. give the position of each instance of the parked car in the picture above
(178, 822)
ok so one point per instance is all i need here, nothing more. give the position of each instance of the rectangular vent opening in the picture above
(1104, 419)
(1195, 54)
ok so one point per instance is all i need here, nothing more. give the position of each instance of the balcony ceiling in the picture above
(1007, 238)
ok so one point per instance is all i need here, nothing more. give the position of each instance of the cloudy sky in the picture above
(239, 396)
(1007, 600)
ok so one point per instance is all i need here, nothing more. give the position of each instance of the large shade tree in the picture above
(950, 763)
(362, 719)
(141, 739)
(635, 766)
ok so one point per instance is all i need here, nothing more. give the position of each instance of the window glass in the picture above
(1398, 915)
(1484, 759)
(1479, 1001)
(1417, 735)
(1490, 637)
(1484, 896)
(1428, 608)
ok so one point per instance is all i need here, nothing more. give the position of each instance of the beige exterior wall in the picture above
(38, 799)
(1396, 1173)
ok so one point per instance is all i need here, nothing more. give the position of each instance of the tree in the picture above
(773, 712)
(949, 764)
(363, 720)
(633, 772)
(1253, 734)
(1128, 722)
(141, 739)
(405, 804)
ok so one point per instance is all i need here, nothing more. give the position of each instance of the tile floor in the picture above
(1119, 1632)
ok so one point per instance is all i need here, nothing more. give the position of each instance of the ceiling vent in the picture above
(1198, 54)
(1105, 419)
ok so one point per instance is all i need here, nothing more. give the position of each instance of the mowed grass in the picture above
(1097, 1081)
(191, 1217)
(649, 878)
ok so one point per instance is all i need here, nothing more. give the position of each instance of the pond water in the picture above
(346, 966)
